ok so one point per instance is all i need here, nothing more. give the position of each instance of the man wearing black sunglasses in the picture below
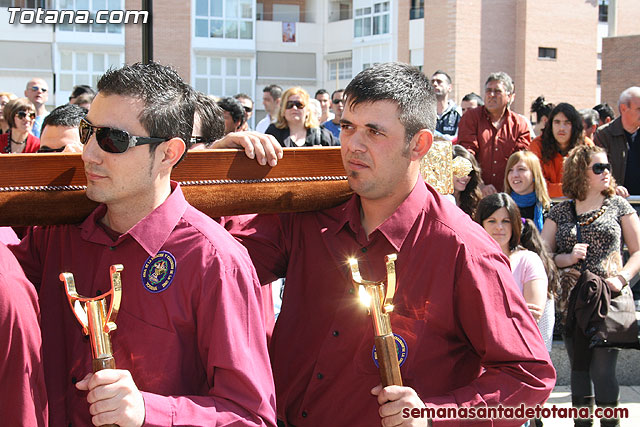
(190, 311)
(60, 128)
(37, 91)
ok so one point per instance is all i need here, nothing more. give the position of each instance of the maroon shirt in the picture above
(492, 147)
(32, 144)
(469, 337)
(23, 396)
(191, 335)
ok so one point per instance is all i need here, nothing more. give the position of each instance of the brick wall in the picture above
(620, 65)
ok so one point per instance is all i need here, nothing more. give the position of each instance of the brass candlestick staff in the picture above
(378, 297)
(94, 318)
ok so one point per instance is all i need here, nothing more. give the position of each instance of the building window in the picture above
(93, 6)
(603, 10)
(85, 68)
(224, 19)
(599, 77)
(547, 53)
(340, 68)
(339, 11)
(417, 9)
(29, 4)
(368, 65)
(371, 21)
(221, 76)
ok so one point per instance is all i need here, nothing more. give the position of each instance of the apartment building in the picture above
(224, 47)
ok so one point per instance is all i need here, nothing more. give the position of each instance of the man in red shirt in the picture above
(493, 132)
(190, 343)
(465, 333)
(23, 396)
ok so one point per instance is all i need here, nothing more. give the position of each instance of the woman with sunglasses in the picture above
(20, 114)
(296, 126)
(560, 135)
(605, 222)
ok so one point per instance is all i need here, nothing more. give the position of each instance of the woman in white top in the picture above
(500, 217)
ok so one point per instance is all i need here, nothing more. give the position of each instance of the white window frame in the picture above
(362, 14)
(223, 76)
(98, 29)
(344, 71)
(198, 18)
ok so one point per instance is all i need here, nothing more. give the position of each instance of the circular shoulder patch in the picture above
(158, 272)
(401, 348)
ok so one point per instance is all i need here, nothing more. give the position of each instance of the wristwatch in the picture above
(626, 277)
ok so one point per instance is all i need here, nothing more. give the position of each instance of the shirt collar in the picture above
(395, 228)
(151, 232)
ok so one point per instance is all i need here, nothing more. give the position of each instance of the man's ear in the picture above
(172, 151)
(421, 143)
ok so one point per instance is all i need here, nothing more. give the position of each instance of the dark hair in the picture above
(241, 95)
(532, 240)
(14, 106)
(541, 108)
(234, 108)
(81, 90)
(169, 103)
(336, 91)
(604, 110)
(320, 92)
(550, 146)
(492, 203)
(68, 115)
(589, 116)
(401, 83)
(274, 90)
(444, 74)
(471, 195)
(574, 173)
(473, 97)
(210, 117)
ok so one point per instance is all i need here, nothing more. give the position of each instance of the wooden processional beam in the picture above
(48, 189)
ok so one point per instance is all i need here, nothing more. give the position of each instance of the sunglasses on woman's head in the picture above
(598, 168)
(23, 114)
(113, 140)
(299, 105)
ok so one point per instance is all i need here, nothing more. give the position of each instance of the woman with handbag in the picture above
(587, 233)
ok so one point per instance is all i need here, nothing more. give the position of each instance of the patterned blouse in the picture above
(604, 235)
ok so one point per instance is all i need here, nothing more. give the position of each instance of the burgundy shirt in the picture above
(492, 147)
(23, 395)
(469, 337)
(191, 335)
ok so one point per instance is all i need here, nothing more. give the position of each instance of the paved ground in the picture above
(629, 398)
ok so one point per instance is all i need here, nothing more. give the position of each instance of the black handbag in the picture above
(617, 325)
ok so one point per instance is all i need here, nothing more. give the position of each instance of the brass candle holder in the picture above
(378, 298)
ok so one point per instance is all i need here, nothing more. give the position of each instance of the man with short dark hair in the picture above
(247, 104)
(271, 100)
(621, 139)
(448, 114)
(494, 132)
(337, 106)
(465, 335)
(590, 119)
(234, 115)
(605, 112)
(470, 101)
(190, 344)
(60, 128)
(37, 91)
(324, 99)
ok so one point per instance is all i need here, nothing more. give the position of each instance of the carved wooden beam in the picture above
(47, 189)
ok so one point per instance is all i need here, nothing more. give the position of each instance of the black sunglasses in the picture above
(247, 109)
(299, 105)
(338, 101)
(45, 149)
(37, 88)
(598, 168)
(113, 140)
(23, 114)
